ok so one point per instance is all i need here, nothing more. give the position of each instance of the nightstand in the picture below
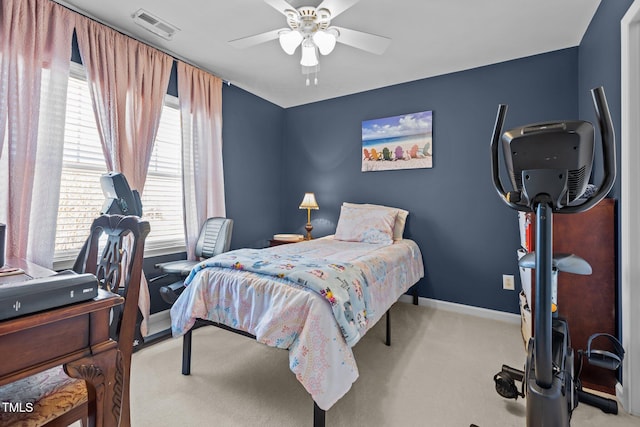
(276, 242)
(283, 239)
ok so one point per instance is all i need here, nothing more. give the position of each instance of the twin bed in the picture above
(315, 298)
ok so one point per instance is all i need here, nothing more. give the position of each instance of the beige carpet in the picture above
(438, 372)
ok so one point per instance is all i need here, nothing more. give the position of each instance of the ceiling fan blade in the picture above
(365, 41)
(245, 42)
(336, 7)
(280, 5)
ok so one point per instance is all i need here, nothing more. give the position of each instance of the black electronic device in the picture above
(119, 198)
(30, 296)
(549, 165)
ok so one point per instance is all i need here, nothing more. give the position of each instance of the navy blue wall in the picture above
(599, 65)
(253, 166)
(467, 236)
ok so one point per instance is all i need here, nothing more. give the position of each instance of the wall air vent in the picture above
(154, 24)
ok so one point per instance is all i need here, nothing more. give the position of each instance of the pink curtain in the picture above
(200, 96)
(127, 81)
(35, 47)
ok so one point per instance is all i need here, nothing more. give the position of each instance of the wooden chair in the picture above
(57, 399)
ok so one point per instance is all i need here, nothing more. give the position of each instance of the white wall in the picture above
(629, 391)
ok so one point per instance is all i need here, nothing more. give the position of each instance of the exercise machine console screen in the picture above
(119, 198)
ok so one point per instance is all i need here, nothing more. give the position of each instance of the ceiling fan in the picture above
(310, 27)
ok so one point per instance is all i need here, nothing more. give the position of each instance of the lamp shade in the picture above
(309, 57)
(325, 40)
(289, 40)
(309, 202)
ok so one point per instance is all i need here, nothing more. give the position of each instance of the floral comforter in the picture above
(285, 314)
(342, 284)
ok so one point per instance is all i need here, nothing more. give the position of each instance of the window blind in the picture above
(81, 196)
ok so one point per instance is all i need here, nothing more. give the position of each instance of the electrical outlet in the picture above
(508, 282)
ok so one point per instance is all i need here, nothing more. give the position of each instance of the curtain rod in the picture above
(176, 57)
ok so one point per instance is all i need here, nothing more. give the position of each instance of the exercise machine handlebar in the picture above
(607, 134)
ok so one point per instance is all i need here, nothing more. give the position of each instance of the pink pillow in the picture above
(365, 225)
(401, 218)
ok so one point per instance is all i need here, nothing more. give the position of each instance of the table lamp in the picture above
(308, 203)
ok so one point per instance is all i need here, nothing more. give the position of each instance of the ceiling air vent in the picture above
(154, 24)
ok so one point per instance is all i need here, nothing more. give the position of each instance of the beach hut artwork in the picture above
(399, 142)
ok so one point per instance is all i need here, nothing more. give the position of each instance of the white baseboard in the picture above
(159, 322)
(464, 309)
(621, 396)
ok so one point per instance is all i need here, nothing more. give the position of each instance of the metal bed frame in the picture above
(318, 414)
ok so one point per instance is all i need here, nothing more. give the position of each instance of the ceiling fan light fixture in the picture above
(326, 40)
(309, 57)
(290, 40)
(310, 28)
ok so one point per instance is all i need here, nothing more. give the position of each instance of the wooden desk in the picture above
(31, 271)
(76, 336)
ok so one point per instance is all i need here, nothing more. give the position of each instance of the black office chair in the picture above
(214, 239)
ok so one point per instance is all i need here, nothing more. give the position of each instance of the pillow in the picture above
(401, 218)
(365, 225)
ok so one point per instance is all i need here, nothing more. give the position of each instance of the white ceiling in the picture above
(429, 38)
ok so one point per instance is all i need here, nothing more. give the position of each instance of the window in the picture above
(81, 197)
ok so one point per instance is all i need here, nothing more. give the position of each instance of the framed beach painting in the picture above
(399, 142)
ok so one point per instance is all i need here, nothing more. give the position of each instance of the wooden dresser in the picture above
(588, 302)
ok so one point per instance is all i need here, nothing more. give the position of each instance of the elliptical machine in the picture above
(549, 165)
